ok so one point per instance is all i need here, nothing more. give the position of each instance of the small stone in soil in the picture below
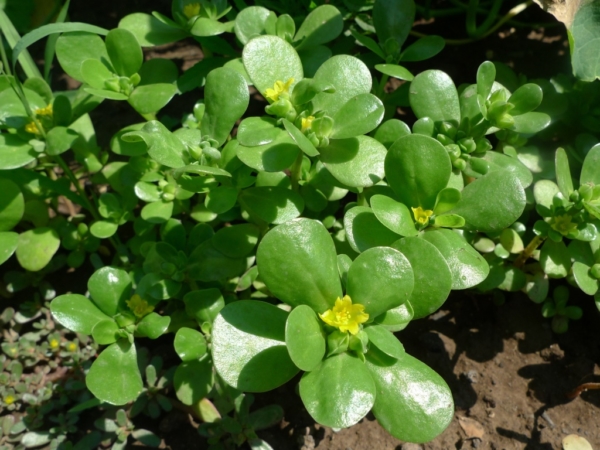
(547, 418)
(472, 376)
(410, 446)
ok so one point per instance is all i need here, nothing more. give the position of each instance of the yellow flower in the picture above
(32, 128)
(563, 224)
(139, 306)
(46, 111)
(422, 215)
(9, 399)
(279, 88)
(307, 122)
(54, 344)
(345, 316)
(191, 9)
(72, 346)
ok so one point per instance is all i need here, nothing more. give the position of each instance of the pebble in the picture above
(409, 446)
(472, 376)
(547, 418)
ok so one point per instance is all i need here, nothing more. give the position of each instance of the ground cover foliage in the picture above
(291, 238)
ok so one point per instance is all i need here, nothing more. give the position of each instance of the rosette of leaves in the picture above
(556, 308)
(392, 21)
(568, 213)
(114, 68)
(461, 121)
(116, 428)
(322, 25)
(257, 346)
(39, 124)
(112, 316)
(199, 19)
(318, 127)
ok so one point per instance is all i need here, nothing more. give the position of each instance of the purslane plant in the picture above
(296, 240)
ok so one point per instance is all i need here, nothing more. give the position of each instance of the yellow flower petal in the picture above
(191, 9)
(278, 89)
(345, 316)
(422, 215)
(307, 123)
(139, 306)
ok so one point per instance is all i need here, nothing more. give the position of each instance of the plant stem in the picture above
(381, 87)
(509, 15)
(296, 172)
(528, 251)
(4, 58)
(582, 388)
(61, 162)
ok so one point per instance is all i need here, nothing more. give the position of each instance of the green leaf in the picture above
(151, 98)
(425, 48)
(272, 204)
(189, 344)
(149, 31)
(360, 115)
(164, 147)
(124, 52)
(158, 70)
(390, 131)
(413, 402)
(8, 244)
(59, 140)
(525, 99)
(193, 381)
(433, 95)
(396, 71)
(446, 200)
(76, 313)
(33, 439)
(114, 376)
(268, 59)
(563, 172)
(157, 212)
(248, 346)
(364, 231)
(153, 325)
(15, 152)
(468, 267)
(356, 161)
(393, 215)
(110, 288)
(322, 25)
(492, 202)
(385, 341)
(500, 162)
(251, 22)
(205, 27)
(204, 304)
(584, 38)
(237, 241)
(103, 229)
(297, 261)
(275, 156)
(36, 248)
(300, 139)
(304, 338)
(486, 74)
(555, 259)
(104, 93)
(95, 73)
(75, 47)
(590, 172)
(348, 75)
(588, 284)
(380, 279)
(12, 205)
(393, 19)
(254, 131)
(105, 332)
(221, 199)
(226, 97)
(206, 263)
(339, 392)
(531, 122)
(433, 278)
(417, 168)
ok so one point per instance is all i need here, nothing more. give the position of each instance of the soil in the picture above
(509, 373)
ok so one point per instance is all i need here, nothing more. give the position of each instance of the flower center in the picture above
(345, 316)
(422, 215)
(279, 88)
